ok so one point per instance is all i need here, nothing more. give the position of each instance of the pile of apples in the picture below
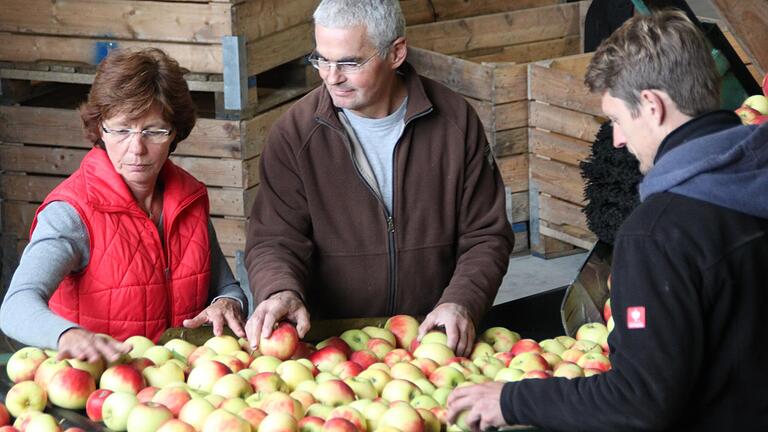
(369, 379)
(754, 109)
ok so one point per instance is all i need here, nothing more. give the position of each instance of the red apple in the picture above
(347, 369)
(95, 402)
(173, 398)
(47, 369)
(528, 361)
(205, 374)
(70, 387)
(525, 345)
(253, 416)
(282, 343)
(280, 402)
(303, 350)
(500, 338)
(404, 327)
(326, 358)
(593, 360)
(747, 114)
(338, 424)
(379, 347)
(333, 393)
(5, 418)
(146, 394)
(122, 378)
(311, 424)
(364, 358)
(397, 355)
(337, 342)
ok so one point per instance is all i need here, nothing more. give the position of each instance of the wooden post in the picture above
(748, 21)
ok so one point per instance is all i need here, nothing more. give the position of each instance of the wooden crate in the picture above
(485, 59)
(426, 11)
(564, 119)
(41, 145)
(224, 43)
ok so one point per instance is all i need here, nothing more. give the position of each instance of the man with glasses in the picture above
(379, 195)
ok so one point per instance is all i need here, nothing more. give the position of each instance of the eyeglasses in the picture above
(155, 136)
(344, 67)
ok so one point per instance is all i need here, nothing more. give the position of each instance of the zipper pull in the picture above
(167, 273)
(390, 224)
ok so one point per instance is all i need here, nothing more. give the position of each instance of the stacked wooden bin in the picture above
(245, 63)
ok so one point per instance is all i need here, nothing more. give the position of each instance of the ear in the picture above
(654, 105)
(398, 52)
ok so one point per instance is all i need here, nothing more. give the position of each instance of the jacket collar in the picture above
(418, 101)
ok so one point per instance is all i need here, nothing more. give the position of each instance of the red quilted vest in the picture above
(131, 286)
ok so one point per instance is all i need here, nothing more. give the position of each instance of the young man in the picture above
(379, 194)
(689, 266)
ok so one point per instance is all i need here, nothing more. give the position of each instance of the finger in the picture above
(463, 344)
(302, 322)
(235, 322)
(452, 333)
(473, 419)
(106, 349)
(426, 325)
(217, 320)
(269, 323)
(254, 327)
(197, 321)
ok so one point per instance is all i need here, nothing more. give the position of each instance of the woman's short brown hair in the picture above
(133, 82)
(663, 51)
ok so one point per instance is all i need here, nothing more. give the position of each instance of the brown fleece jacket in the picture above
(318, 229)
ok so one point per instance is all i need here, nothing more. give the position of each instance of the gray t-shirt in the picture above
(378, 137)
(59, 246)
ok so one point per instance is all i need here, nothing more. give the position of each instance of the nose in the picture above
(619, 140)
(136, 144)
(333, 76)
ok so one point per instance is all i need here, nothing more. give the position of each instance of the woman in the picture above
(125, 245)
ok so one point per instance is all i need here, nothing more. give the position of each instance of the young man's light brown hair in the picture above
(663, 51)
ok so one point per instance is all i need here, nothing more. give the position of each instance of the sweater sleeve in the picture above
(655, 358)
(485, 238)
(223, 283)
(58, 246)
(278, 248)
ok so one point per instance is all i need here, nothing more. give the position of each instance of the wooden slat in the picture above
(567, 234)
(452, 9)
(565, 122)
(550, 247)
(257, 19)
(17, 218)
(517, 206)
(215, 172)
(528, 52)
(465, 77)
(120, 19)
(200, 58)
(748, 19)
(514, 172)
(511, 115)
(557, 179)
(484, 110)
(511, 142)
(417, 11)
(510, 82)
(550, 84)
(561, 212)
(230, 233)
(279, 48)
(558, 147)
(497, 30)
(257, 129)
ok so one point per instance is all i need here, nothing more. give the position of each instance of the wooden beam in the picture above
(748, 20)
(465, 77)
(557, 179)
(514, 172)
(528, 52)
(279, 48)
(558, 147)
(565, 122)
(553, 83)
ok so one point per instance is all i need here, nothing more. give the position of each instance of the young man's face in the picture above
(364, 91)
(636, 133)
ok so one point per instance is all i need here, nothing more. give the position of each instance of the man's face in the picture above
(364, 91)
(636, 133)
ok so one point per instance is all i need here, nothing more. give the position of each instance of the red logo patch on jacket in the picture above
(636, 317)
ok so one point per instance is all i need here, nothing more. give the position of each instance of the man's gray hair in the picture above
(383, 19)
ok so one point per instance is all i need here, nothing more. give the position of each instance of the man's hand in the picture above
(458, 327)
(223, 311)
(482, 403)
(282, 305)
(83, 345)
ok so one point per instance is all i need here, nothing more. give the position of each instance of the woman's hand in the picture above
(91, 347)
(223, 311)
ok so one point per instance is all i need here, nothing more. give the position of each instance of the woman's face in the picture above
(138, 148)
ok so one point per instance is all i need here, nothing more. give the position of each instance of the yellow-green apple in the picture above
(509, 374)
(397, 355)
(424, 401)
(280, 402)
(465, 363)
(438, 352)
(406, 371)
(360, 404)
(173, 398)
(180, 348)
(355, 338)
(139, 345)
(377, 377)
(233, 363)
(373, 412)
(585, 345)
(176, 425)
(224, 421)
(333, 393)
(425, 385)
(158, 354)
(309, 365)
(195, 411)
(70, 388)
(304, 397)
(431, 422)
(481, 349)
(571, 355)
(380, 333)
(224, 344)
(362, 387)
(146, 394)
(310, 424)
(404, 327)
(25, 396)
(441, 412)
(402, 417)
(22, 420)
(319, 410)
(528, 361)
(441, 395)
(95, 402)
(205, 374)
(116, 409)
(234, 405)
(426, 365)
(201, 353)
(446, 376)
(160, 376)
(552, 345)
(588, 372)
(216, 400)
(551, 358)
(610, 324)
(525, 345)
(294, 372)
(338, 424)
(505, 357)
(400, 390)
(595, 332)
(337, 342)
(566, 341)
(489, 366)
(243, 356)
(326, 358)
(5, 418)
(568, 370)
(147, 417)
(265, 363)
(47, 369)
(324, 376)
(94, 368)
(42, 423)
(23, 364)
(122, 378)
(364, 358)
(379, 347)
(500, 338)
(537, 374)
(268, 382)
(593, 360)
(253, 416)
(347, 369)
(282, 343)
(232, 385)
(381, 366)
(758, 103)
(478, 379)
(278, 422)
(350, 414)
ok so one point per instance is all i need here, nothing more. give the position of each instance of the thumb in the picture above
(425, 326)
